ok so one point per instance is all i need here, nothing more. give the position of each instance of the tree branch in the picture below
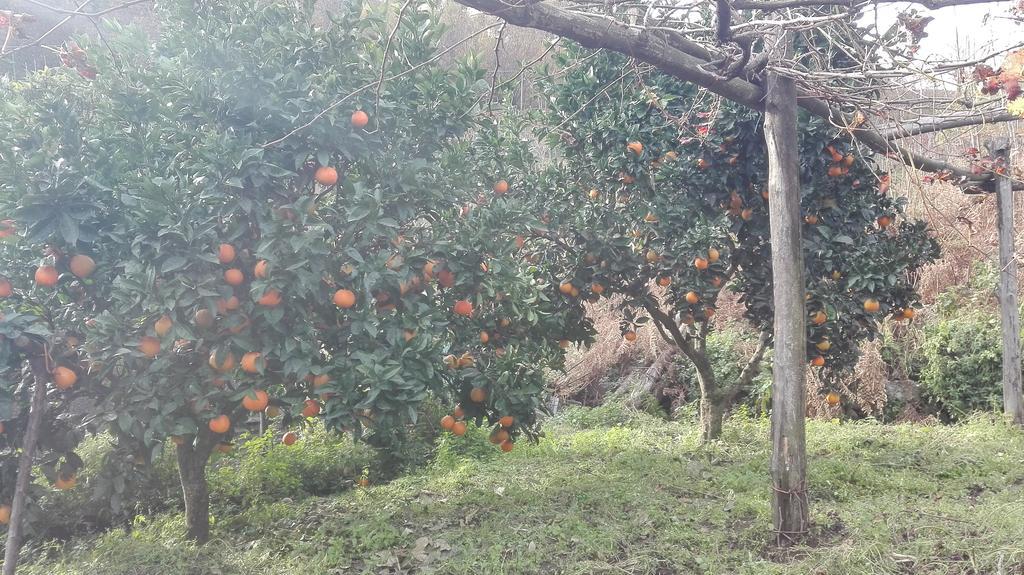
(960, 120)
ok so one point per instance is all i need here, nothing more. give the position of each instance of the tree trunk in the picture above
(712, 400)
(15, 529)
(1013, 402)
(192, 472)
(788, 464)
(649, 383)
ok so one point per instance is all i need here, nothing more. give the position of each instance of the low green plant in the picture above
(962, 364)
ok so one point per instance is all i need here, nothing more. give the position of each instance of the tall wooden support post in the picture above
(789, 461)
(1009, 312)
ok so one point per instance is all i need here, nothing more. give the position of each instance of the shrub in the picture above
(613, 413)
(963, 365)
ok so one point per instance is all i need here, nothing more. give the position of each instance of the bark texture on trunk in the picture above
(16, 526)
(1009, 312)
(789, 460)
(192, 459)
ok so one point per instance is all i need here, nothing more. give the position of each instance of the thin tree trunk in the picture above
(15, 530)
(1013, 402)
(789, 463)
(192, 461)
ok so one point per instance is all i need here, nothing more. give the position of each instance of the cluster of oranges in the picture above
(500, 436)
(840, 163)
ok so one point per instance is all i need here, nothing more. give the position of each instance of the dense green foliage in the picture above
(638, 497)
(963, 361)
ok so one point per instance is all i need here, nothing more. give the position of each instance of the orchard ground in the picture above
(610, 490)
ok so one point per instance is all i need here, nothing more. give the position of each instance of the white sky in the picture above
(962, 32)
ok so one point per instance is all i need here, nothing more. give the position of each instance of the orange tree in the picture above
(658, 196)
(276, 231)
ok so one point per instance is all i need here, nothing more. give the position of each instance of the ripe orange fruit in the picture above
(832, 398)
(823, 345)
(82, 265)
(226, 305)
(629, 335)
(458, 412)
(703, 164)
(220, 424)
(149, 346)
(506, 421)
(692, 297)
(871, 305)
(716, 281)
(485, 337)
(65, 483)
(463, 308)
(477, 395)
(326, 176)
(360, 119)
(836, 275)
(227, 361)
(459, 428)
(321, 380)
(5, 514)
(234, 277)
(64, 377)
(747, 214)
(811, 219)
(256, 401)
(250, 362)
(883, 221)
(270, 298)
(664, 281)
(565, 288)
(204, 319)
(709, 312)
(835, 171)
(635, 147)
(500, 187)
(290, 438)
(594, 194)
(46, 276)
(5, 288)
(818, 361)
(363, 482)
(700, 263)
(344, 298)
(226, 253)
(507, 446)
(848, 160)
(501, 436)
(163, 325)
(819, 317)
(447, 422)
(311, 409)
(908, 313)
(563, 343)
(260, 270)
(446, 278)
(652, 256)
(713, 255)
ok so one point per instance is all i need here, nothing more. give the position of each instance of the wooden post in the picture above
(19, 502)
(1009, 312)
(789, 461)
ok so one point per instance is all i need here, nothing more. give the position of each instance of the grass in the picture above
(637, 497)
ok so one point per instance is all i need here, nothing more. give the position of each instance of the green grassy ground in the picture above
(638, 497)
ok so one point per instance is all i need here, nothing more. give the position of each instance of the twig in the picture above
(387, 50)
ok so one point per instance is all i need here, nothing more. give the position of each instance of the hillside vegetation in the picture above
(614, 491)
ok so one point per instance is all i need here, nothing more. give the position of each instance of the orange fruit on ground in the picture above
(256, 401)
(871, 305)
(311, 409)
(360, 119)
(908, 313)
(290, 438)
(259, 271)
(82, 265)
(270, 298)
(507, 446)
(664, 281)
(447, 423)
(250, 362)
(506, 421)
(64, 377)
(818, 361)
(635, 147)
(63, 484)
(220, 424)
(713, 255)
(204, 319)
(459, 428)
(149, 346)
(227, 361)
(700, 263)
(234, 277)
(832, 398)
(5, 288)
(226, 253)
(326, 176)
(883, 221)
(692, 297)
(344, 298)
(5, 514)
(477, 395)
(819, 317)
(458, 412)
(463, 308)
(163, 325)
(629, 335)
(46, 276)
(823, 345)
(500, 187)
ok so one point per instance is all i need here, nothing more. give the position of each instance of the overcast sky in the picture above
(962, 30)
